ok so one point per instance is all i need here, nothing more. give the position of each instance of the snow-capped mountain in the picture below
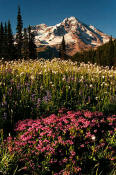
(78, 36)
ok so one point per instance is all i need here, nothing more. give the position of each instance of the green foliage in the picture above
(2, 41)
(62, 50)
(32, 46)
(38, 88)
(19, 36)
(10, 42)
(81, 142)
(25, 46)
(7, 48)
(8, 160)
(104, 55)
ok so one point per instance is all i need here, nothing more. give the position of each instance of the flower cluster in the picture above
(67, 143)
(32, 88)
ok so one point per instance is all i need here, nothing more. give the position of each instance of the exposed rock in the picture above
(78, 36)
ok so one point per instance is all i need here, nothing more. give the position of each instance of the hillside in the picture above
(78, 36)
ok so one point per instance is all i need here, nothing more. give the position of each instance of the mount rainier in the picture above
(78, 36)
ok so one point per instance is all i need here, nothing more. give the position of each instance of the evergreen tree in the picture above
(111, 52)
(10, 43)
(104, 55)
(1, 41)
(19, 36)
(25, 47)
(114, 53)
(62, 52)
(32, 46)
(5, 42)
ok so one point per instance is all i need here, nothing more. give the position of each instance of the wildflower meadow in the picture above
(57, 117)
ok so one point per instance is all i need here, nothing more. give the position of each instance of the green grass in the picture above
(30, 89)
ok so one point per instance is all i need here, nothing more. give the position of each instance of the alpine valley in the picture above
(78, 37)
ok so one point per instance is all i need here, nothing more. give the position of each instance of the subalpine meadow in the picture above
(65, 115)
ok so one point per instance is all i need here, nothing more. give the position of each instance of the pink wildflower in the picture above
(88, 114)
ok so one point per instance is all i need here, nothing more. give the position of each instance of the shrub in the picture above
(79, 142)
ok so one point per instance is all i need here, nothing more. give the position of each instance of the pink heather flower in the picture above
(23, 138)
(102, 144)
(112, 159)
(72, 153)
(40, 142)
(45, 135)
(82, 145)
(86, 142)
(86, 124)
(88, 134)
(81, 120)
(60, 111)
(88, 114)
(111, 132)
(71, 157)
(69, 142)
(51, 161)
(46, 141)
(66, 173)
(72, 137)
(55, 143)
(77, 169)
(42, 133)
(102, 121)
(73, 120)
(111, 119)
(10, 148)
(78, 113)
(95, 130)
(73, 161)
(59, 139)
(50, 134)
(43, 149)
(24, 168)
(9, 139)
(64, 160)
(97, 114)
(66, 121)
(94, 121)
(69, 112)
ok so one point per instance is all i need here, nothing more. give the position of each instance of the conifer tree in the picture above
(1, 41)
(111, 52)
(25, 47)
(114, 64)
(10, 42)
(5, 42)
(19, 36)
(62, 52)
(32, 46)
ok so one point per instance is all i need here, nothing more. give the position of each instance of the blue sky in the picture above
(100, 13)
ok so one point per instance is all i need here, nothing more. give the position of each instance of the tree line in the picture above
(22, 45)
(104, 55)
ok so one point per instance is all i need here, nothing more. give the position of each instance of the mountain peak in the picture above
(72, 18)
(78, 36)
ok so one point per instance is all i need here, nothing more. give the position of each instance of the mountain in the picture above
(78, 36)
